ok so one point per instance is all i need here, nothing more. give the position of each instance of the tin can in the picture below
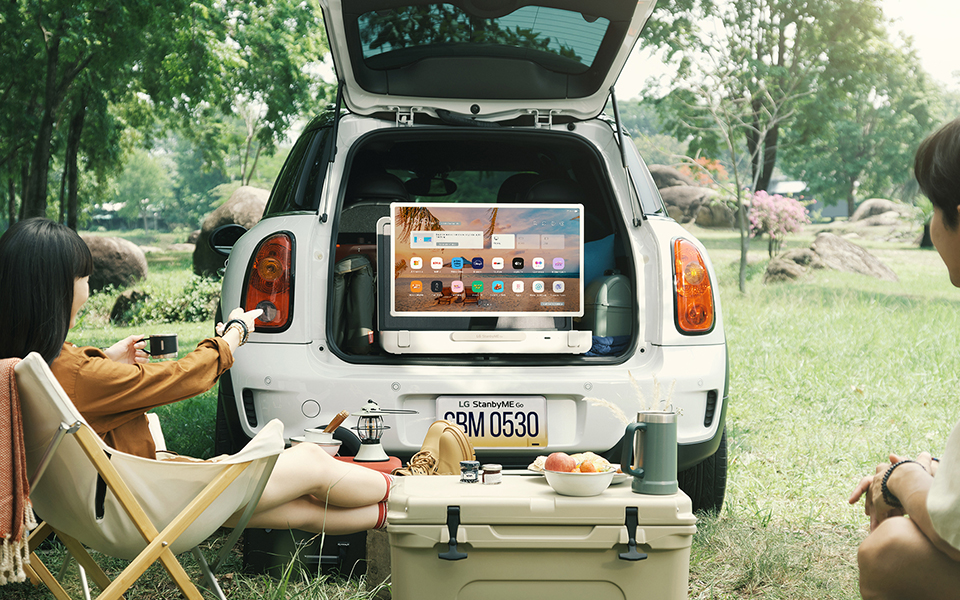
(469, 471)
(492, 474)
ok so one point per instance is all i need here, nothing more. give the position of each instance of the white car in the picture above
(466, 236)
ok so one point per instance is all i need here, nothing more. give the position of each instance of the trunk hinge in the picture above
(405, 115)
(541, 119)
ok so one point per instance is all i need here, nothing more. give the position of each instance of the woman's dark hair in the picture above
(40, 262)
(937, 169)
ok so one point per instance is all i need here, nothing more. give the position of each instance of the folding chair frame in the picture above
(157, 541)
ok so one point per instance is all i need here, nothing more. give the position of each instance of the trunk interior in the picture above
(475, 166)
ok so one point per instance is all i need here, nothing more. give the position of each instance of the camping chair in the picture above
(91, 495)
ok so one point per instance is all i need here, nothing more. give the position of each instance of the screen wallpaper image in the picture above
(487, 259)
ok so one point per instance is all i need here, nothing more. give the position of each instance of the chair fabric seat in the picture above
(66, 495)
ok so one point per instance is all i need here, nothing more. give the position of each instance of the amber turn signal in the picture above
(694, 298)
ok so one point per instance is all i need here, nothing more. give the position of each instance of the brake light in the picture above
(695, 311)
(269, 283)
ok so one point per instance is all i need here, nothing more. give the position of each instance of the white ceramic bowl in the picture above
(331, 448)
(317, 436)
(579, 484)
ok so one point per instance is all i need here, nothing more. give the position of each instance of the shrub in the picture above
(197, 302)
(776, 216)
(706, 172)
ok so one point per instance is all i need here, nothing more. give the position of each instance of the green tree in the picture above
(770, 53)
(116, 65)
(857, 137)
(74, 48)
(144, 188)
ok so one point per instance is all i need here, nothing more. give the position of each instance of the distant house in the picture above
(796, 189)
(786, 188)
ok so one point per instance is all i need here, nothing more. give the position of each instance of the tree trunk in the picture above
(11, 201)
(253, 167)
(769, 157)
(71, 168)
(761, 162)
(744, 241)
(752, 135)
(61, 214)
(34, 202)
(851, 198)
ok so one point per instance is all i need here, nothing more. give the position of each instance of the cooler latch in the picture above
(631, 522)
(453, 523)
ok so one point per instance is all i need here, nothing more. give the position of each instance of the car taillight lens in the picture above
(695, 311)
(269, 283)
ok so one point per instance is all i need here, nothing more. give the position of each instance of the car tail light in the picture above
(269, 284)
(695, 310)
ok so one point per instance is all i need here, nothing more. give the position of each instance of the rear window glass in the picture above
(301, 179)
(443, 28)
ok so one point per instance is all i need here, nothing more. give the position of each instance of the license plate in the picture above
(498, 421)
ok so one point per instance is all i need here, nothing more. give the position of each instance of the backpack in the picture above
(445, 445)
(354, 302)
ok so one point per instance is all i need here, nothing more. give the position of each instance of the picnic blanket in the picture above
(16, 513)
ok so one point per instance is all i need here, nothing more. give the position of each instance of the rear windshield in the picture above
(567, 40)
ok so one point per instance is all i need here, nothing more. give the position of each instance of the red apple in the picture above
(560, 461)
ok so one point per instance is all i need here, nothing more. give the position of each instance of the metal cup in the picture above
(652, 441)
(163, 345)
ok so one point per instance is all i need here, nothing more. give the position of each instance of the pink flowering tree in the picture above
(776, 216)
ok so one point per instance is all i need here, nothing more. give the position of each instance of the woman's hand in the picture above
(129, 351)
(247, 317)
(873, 503)
(928, 463)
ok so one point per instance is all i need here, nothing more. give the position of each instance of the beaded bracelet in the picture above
(244, 333)
(888, 496)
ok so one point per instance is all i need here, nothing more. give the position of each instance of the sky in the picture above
(933, 24)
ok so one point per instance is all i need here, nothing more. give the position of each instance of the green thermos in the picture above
(652, 442)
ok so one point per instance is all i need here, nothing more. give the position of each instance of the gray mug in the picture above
(654, 453)
(163, 345)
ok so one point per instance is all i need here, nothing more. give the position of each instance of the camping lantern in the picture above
(370, 429)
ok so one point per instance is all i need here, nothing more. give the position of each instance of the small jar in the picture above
(469, 471)
(492, 474)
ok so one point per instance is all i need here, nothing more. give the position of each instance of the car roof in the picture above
(487, 59)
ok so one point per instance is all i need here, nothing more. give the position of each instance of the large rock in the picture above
(878, 206)
(716, 215)
(780, 269)
(116, 261)
(686, 199)
(664, 177)
(244, 207)
(842, 255)
(828, 251)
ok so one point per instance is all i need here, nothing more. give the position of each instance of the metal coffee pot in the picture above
(652, 442)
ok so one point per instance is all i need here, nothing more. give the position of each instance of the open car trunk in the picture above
(458, 165)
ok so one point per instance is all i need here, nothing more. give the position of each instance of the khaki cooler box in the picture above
(521, 540)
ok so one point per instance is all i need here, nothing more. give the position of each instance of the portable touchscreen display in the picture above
(489, 259)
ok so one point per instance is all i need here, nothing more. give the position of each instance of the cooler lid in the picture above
(527, 500)
(490, 59)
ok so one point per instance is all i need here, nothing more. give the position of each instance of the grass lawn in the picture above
(828, 375)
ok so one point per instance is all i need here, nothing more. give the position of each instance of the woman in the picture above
(44, 273)
(919, 556)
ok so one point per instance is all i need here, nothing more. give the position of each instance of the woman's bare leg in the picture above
(306, 469)
(309, 514)
(897, 561)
